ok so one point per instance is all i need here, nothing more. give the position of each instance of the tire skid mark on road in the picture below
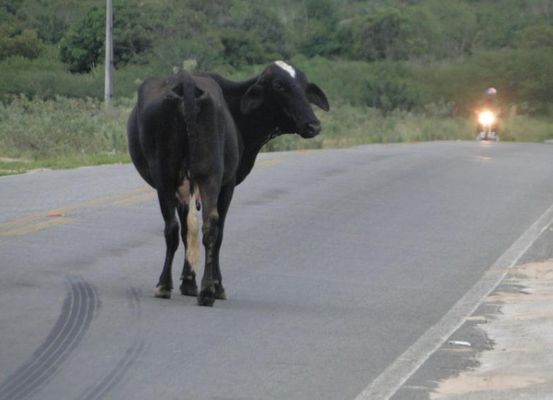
(78, 310)
(116, 374)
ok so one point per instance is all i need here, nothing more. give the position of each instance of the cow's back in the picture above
(135, 149)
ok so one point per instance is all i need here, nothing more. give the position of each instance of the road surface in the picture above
(335, 262)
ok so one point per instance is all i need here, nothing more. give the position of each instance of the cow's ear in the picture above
(252, 99)
(316, 96)
(176, 93)
(198, 93)
(173, 94)
(201, 99)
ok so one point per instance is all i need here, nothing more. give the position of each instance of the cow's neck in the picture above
(255, 129)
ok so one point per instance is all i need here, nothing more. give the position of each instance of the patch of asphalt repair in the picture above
(511, 337)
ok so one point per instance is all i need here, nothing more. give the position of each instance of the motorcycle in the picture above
(487, 126)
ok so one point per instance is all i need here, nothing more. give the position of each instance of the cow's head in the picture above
(285, 91)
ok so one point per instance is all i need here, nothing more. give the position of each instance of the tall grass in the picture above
(65, 132)
(522, 128)
(45, 77)
(348, 125)
(61, 128)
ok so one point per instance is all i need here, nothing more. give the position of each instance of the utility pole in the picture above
(108, 83)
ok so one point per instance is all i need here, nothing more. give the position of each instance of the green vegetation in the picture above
(394, 70)
(48, 129)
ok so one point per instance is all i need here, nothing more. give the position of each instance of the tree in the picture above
(50, 28)
(10, 6)
(535, 36)
(251, 33)
(14, 42)
(458, 27)
(82, 47)
(268, 29)
(241, 48)
(318, 30)
(380, 36)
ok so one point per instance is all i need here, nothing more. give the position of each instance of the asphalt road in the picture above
(335, 262)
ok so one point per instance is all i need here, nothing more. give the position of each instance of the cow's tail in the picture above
(193, 232)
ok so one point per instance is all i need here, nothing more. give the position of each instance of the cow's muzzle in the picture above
(310, 129)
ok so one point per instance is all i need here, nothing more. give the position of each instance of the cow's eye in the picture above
(279, 86)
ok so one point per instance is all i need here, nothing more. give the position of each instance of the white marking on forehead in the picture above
(287, 67)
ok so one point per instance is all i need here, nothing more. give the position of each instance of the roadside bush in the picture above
(388, 94)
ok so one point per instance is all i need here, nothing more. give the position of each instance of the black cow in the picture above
(195, 137)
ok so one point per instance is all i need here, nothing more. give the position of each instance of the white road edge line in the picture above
(392, 378)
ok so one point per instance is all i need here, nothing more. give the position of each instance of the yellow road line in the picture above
(22, 230)
(45, 219)
(20, 221)
(139, 198)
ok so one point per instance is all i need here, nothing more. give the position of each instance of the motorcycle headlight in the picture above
(486, 117)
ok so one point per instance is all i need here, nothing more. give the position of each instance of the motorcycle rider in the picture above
(490, 103)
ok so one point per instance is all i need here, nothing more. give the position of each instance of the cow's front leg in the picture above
(222, 206)
(210, 230)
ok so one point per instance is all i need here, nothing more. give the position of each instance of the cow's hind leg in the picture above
(168, 204)
(188, 285)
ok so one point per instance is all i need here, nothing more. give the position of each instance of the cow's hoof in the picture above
(162, 293)
(188, 287)
(206, 297)
(220, 292)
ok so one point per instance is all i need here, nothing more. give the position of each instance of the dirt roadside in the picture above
(519, 364)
